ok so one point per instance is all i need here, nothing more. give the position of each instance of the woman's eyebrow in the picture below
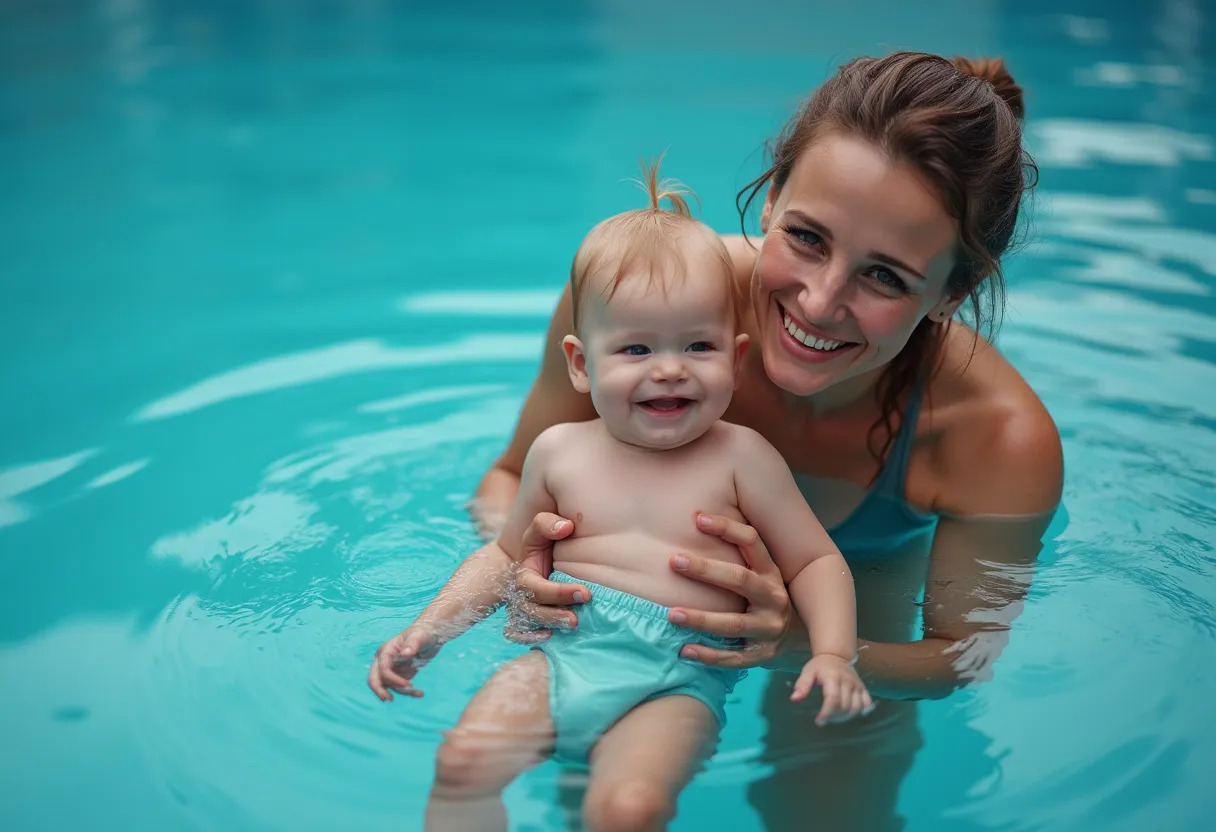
(825, 232)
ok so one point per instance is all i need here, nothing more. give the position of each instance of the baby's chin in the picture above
(660, 440)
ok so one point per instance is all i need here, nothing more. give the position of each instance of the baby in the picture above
(657, 345)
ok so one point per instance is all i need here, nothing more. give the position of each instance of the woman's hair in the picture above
(653, 242)
(958, 123)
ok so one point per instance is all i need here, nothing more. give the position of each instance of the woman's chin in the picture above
(798, 379)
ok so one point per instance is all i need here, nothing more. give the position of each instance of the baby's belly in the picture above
(640, 566)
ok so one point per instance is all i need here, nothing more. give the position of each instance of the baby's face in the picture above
(660, 365)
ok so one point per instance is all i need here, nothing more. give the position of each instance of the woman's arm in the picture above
(981, 569)
(1002, 497)
(551, 401)
(979, 573)
(1001, 483)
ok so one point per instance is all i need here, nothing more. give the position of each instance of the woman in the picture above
(893, 194)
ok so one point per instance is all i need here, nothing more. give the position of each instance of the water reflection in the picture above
(310, 366)
(19, 479)
(1065, 143)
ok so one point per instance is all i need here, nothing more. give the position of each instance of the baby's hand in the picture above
(844, 695)
(399, 659)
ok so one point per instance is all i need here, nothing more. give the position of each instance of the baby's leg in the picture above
(505, 730)
(643, 761)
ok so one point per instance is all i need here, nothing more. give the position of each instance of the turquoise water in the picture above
(275, 278)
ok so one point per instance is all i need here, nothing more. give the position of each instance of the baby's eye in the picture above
(636, 349)
(701, 346)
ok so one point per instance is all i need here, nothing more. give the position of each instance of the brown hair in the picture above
(958, 123)
(648, 241)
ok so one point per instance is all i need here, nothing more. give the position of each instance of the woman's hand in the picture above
(537, 605)
(766, 622)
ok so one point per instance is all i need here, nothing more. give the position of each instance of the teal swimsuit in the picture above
(884, 522)
(625, 652)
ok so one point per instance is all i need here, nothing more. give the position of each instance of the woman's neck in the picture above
(857, 395)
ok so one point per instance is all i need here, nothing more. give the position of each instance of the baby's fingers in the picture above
(378, 687)
(383, 676)
(831, 700)
(856, 701)
(803, 685)
(867, 703)
(413, 642)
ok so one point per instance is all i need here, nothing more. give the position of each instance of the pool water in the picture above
(275, 278)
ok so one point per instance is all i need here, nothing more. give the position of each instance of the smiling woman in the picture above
(893, 194)
(875, 283)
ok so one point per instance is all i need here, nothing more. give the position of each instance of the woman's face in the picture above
(857, 251)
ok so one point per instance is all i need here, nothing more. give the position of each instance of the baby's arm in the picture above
(818, 578)
(456, 614)
(819, 581)
(473, 592)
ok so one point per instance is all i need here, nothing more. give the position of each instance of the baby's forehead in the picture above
(666, 302)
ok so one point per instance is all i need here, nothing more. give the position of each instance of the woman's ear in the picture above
(945, 310)
(766, 213)
(576, 363)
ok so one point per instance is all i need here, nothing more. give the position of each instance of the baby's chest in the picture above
(656, 500)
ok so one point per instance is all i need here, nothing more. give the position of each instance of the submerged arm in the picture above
(1002, 488)
(482, 582)
(980, 571)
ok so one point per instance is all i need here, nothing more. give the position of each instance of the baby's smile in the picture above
(668, 407)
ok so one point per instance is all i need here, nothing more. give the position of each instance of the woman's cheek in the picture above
(883, 323)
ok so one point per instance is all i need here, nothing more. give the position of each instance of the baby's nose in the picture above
(668, 368)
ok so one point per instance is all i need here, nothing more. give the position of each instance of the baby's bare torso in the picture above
(633, 509)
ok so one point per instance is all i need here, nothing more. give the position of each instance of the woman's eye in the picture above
(889, 279)
(806, 237)
(701, 346)
(636, 349)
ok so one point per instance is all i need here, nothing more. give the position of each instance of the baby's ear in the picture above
(741, 341)
(576, 363)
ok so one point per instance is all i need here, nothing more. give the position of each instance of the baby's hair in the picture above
(672, 190)
(651, 242)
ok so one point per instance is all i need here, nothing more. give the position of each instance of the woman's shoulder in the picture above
(742, 251)
(997, 449)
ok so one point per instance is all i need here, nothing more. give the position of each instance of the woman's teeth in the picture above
(810, 340)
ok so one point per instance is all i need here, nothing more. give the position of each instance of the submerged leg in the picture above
(643, 761)
(505, 730)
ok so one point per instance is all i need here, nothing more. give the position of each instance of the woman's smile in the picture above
(808, 343)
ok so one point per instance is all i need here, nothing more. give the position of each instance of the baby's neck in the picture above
(630, 447)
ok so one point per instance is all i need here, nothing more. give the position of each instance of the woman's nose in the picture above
(824, 294)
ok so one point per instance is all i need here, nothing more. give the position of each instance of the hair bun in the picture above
(993, 71)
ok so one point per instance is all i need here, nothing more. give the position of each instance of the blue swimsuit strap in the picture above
(895, 470)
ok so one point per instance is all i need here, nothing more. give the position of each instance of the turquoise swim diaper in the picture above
(623, 652)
